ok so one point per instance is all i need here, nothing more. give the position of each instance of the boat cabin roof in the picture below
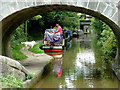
(50, 30)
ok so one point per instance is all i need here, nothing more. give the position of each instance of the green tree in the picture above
(38, 24)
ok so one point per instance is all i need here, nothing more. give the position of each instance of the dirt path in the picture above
(35, 62)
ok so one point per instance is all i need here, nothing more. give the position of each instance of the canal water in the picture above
(79, 69)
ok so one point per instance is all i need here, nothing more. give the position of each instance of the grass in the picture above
(17, 55)
(36, 48)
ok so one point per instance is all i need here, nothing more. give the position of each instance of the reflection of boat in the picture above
(58, 66)
(52, 43)
(75, 34)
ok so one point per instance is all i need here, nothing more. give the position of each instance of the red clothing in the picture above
(60, 30)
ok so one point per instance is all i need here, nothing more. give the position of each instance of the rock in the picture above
(10, 66)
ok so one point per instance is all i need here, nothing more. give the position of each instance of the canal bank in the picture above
(37, 64)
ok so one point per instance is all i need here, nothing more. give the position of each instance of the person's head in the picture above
(57, 25)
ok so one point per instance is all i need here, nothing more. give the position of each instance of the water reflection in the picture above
(58, 66)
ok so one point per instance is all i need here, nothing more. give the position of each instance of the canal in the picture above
(79, 69)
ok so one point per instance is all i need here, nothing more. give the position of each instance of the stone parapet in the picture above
(106, 7)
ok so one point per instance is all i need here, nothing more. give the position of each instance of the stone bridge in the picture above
(85, 23)
(15, 12)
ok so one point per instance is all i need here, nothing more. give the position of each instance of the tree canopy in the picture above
(38, 24)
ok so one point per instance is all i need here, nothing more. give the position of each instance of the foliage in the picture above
(30, 76)
(105, 39)
(11, 82)
(104, 46)
(97, 26)
(36, 48)
(17, 55)
(16, 39)
(36, 17)
(18, 36)
(108, 43)
(67, 20)
(36, 27)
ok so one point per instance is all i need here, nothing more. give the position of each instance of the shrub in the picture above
(29, 76)
(11, 82)
(105, 39)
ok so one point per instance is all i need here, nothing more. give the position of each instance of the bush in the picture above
(104, 46)
(29, 76)
(105, 39)
(107, 42)
(11, 82)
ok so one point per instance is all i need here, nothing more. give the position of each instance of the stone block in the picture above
(115, 18)
(56, 2)
(92, 5)
(101, 7)
(81, 3)
(0, 36)
(22, 5)
(8, 0)
(47, 2)
(109, 11)
(72, 2)
(39, 3)
(64, 2)
(5, 9)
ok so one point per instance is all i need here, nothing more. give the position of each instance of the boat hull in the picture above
(52, 50)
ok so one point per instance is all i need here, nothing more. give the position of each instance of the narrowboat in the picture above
(67, 37)
(53, 43)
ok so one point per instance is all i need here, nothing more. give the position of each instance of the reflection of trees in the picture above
(103, 69)
(70, 56)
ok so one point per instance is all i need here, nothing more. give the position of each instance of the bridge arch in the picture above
(13, 20)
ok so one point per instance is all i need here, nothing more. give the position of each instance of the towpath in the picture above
(35, 62)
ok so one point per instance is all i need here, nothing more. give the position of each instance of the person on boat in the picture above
(59, 29)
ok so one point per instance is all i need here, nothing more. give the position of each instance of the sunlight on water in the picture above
(84, 65)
